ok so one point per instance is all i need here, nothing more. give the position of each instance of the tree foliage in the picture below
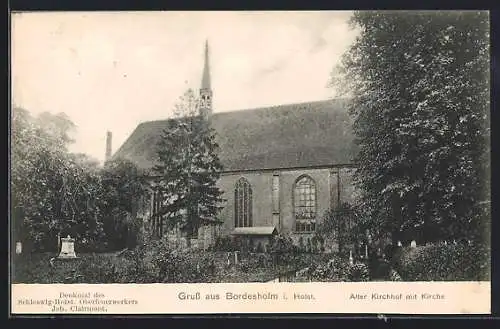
(56, 193)
(123, 186)
(419, 89)
(52, 191)
(342, 226)
(188, 168)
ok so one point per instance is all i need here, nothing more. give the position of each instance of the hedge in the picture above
(338, 269)
(440, 262)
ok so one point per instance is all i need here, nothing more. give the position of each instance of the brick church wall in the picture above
(327, 186)
(261, 183)
(331, 184)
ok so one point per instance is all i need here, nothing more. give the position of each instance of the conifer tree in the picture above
(188, 169)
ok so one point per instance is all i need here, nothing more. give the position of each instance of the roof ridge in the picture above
(282, 105)
(269, 107)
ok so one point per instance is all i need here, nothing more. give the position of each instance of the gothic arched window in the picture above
(242, 203)
(304, 197)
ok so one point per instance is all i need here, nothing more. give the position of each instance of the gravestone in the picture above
(236, 257)
(194, 243)
(351, 260)
(67, 248)
(413, 244)
(183, 243)
(19, 248)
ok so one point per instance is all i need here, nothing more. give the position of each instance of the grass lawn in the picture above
(36, 267)
(90, 268)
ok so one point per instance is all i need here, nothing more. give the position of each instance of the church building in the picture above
(285, 166)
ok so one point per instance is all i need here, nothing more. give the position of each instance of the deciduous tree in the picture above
(419, 85)
(52, 191)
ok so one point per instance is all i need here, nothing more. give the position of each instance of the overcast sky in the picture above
(111, 71)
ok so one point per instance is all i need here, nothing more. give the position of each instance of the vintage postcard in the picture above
(250, 162)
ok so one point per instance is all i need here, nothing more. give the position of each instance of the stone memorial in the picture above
(67, 248)
(413, 244)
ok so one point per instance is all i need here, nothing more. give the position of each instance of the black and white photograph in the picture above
(250, 147)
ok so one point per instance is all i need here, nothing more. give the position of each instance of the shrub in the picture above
(156, 262)
(379, 268)
(227, 243)
(301, 244)
(439, 262)
(283, 249)
(195, 267)
(221, 243)
(309, 245)
(340, 225)
(95, 270)
(392, 252)
(358, 272)
(34, 268)
(338, 270)
(394, 276)
(315, 244)
(135, 268)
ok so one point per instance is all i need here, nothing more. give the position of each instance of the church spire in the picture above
(206, 88)
(205, 81)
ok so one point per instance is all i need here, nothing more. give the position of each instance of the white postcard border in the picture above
(316, 298)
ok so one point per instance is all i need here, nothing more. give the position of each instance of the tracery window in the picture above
(305, 204)
(242, 203)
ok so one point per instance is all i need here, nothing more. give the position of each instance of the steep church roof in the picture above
(285, 136)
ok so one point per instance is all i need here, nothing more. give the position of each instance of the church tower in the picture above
(205, 107)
